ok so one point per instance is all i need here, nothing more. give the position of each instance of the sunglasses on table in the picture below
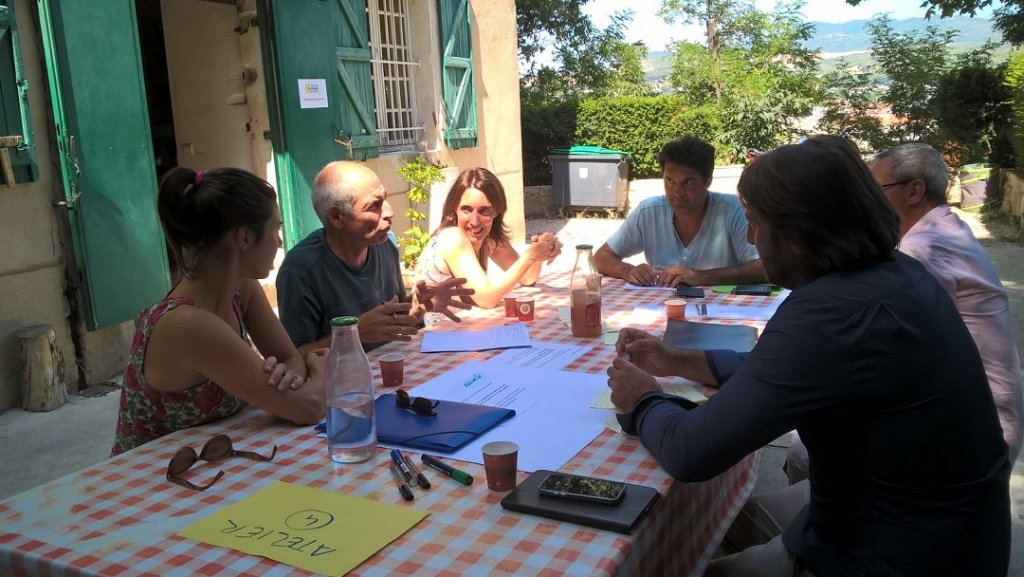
(216, 449)
(419, 405)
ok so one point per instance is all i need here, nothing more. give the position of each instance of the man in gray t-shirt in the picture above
(349, 268)
(689, 236)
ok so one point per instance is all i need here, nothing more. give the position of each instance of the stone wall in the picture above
(1013, 197)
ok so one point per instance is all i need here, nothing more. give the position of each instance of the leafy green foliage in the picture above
(1015, 83)
(586, 60)
(641, 126)
(973, 110)
(914, 63)
(761, 79)
(545, 125)
(851, 98)
(420, 175)
(957, 104)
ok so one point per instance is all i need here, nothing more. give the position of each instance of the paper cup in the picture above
(511, 310)
(525, 306)
(675, 309)
(500, 462)
(392, 369)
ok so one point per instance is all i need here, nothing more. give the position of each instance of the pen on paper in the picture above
(460, 476)
(403, 488)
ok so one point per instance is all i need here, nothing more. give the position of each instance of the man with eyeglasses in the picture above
(914, 178)
(690, 236)
(349, 268)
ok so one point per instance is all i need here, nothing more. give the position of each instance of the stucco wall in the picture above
(32, 270)
(496, 65)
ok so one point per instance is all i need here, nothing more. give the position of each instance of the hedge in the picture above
(638, 125)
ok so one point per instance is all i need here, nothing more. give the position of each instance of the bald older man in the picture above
(348, 268)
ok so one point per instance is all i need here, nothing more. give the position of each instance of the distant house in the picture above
(106, 95)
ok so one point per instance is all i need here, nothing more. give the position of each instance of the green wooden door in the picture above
(99, 100)
(320, 96)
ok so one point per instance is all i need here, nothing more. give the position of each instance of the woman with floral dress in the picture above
(213, 344)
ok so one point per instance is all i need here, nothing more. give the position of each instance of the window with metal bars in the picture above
(393, 65)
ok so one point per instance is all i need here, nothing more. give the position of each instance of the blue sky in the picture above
(656, 34)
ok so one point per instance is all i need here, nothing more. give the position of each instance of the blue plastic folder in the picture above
(455, 424)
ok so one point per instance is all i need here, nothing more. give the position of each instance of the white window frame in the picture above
(394, 87)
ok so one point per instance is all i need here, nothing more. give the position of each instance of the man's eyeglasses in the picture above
(419, 405)
(216, 449)
(900, 183)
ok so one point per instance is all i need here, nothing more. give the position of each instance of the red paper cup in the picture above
(392, 369)
(675, 309)
(511, 310)
(501, 459)
(525, 305)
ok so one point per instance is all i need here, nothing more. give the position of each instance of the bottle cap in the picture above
(344, 321)
(584, 247)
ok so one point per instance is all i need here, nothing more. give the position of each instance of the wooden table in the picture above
(120, 517)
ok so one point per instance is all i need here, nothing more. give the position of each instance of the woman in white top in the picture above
(472, 232)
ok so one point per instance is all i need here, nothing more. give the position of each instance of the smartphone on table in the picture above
(754, 289)
(684, 291)
(581, 488)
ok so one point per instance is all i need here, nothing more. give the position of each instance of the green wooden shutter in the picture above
(323, 40)
(457, 70)
(358, 122)
(14, 116)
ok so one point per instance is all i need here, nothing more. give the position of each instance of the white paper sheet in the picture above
(677, 386)
(508, 336)
(551, 356)
(553, 421)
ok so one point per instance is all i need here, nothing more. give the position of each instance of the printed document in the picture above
(505, 337)
(553, 421)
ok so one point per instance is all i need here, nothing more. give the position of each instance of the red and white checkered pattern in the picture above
(120, 517)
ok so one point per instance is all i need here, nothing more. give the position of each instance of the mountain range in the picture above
(853, 38)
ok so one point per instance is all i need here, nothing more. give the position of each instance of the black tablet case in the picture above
(621, 518)
(710, 336)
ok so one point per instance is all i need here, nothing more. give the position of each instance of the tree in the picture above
(717, 16)
(914, 64)
(973, 107)
(851, 98)
(762, 81)
(581, 58)
(539, 23)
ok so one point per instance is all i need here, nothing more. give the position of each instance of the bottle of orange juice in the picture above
(585, 294)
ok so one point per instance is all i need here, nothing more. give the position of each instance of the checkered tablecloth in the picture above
(120, 517)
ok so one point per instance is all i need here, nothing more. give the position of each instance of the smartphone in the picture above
(753, 289)
(689, 291)
(580, 488)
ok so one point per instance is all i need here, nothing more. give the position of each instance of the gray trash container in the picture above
(589, 177)
(973, 183)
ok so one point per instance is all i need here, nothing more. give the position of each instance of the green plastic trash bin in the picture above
(973, 183)
(589, 177)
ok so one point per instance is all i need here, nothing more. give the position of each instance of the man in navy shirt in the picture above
(869, 360)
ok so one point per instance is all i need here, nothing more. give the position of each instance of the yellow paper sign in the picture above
(315, 530)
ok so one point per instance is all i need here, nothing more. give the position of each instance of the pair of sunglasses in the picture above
(216, 449)
(419, 405)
